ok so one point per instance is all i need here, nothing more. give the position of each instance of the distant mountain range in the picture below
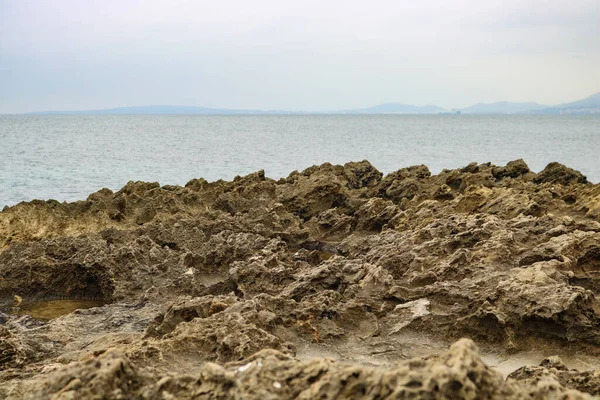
(502, 107)
(589, 105)
(163, 110)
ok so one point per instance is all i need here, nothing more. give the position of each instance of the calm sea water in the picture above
(69, 157)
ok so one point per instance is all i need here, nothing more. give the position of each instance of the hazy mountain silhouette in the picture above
(502, 107)
(388, 108)
(177, 110)
(589, 105)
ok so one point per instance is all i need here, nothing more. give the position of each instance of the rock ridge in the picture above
(334, 282)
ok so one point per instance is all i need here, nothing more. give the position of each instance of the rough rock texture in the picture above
(553, 372)
(335, 282)
(458, 373)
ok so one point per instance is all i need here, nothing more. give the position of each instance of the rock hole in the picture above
(414, 384)
(590, 261)
(46, 292)
(570, 199)
(454, 183)
(455, 386)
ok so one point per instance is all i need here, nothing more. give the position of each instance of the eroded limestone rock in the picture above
(244, 288)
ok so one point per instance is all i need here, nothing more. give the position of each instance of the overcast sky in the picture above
(300, 55)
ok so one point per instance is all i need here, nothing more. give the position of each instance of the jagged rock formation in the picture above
(239, 289)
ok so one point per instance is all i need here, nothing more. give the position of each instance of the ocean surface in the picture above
(66, 157)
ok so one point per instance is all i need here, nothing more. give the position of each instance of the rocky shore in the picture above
(335, 282)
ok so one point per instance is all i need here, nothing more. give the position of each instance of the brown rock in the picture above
(558, 173)
(244, 288)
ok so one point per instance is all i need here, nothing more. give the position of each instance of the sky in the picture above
(309, 55)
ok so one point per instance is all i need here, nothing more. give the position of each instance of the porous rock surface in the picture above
(335, 282)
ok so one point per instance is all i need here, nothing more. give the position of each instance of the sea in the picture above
(67, 157)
